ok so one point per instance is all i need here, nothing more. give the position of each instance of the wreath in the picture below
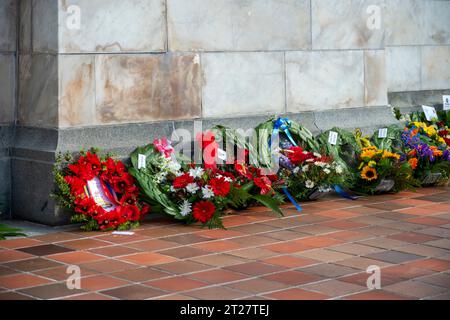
(171, 184)
(99, 192)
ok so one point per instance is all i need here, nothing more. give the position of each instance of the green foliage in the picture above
(392, 142)
(62, 194)
(268, 202)
(345, 150)
(6, 231)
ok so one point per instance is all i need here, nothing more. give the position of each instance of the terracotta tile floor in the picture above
(319, 253)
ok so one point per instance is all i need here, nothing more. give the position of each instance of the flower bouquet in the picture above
(381, 171)
(289, 134)
(344, 151)
(310, 175)
(171, 184)
(99, 192)
(427, 152)
(391, 141)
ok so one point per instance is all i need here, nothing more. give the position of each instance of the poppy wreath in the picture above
(99, 192)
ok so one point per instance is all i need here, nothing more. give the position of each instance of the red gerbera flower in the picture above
(220, 187)
(182, 181)
(203, 211)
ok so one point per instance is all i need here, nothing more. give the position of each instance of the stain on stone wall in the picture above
(136, 88)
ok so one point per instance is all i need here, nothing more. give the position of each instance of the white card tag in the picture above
(142, 161)
(430, 112)
(446, 102)
(332, 138)
(123, 233)
(221, 154)
(382, 133)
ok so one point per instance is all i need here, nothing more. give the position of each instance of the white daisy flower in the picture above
(320, 164)
(196, 172)
(327, 171)
(207, 192)
(173, 166)
(185, 208)
(309, 184)
(192, 188)
(339, 170)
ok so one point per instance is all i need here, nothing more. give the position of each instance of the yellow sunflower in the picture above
(369, 173)
(387, 154)
(368, 153)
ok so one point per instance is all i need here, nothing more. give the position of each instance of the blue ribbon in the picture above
(286, 192)
(342, 193)
(282, 124)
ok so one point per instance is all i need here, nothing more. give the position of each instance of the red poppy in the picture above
(220, 187)
(128, 199)
(182, 181)
(203, 211)
(76, 185)
(129, 213)
(123, 183)
(264, 183)
(85, 205)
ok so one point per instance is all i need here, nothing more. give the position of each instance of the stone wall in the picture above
(8, 47)
(117, 73)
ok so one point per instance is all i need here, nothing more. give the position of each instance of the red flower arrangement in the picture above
(100, 192)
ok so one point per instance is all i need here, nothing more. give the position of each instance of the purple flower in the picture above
(446, 155)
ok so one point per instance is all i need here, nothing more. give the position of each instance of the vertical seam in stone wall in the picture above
(94, 62)
(201, 84)
(15, 106)
(166, 25)
(310, 25)
(364, 78)
(285, 82)
(420, 68)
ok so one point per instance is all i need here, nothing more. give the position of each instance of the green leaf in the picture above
(268, 202)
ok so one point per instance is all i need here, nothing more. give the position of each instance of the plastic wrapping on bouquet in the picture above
(385, 185)
(431, 178)
(285, 143)
(316, 193)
